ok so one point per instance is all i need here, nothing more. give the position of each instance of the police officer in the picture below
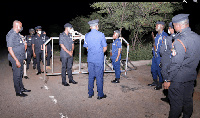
(96, 45)
(116, 55)
(29, 48)
(182, 70)
(37, 46)
(155, 68)
(49, 52)
(66, 54)
(165, 52)
(16, 56)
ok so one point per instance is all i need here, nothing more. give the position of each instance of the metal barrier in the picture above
(77, 35)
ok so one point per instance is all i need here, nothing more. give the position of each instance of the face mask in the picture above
(39, 32)
(71, 30)
(20, 28)
(169, 32)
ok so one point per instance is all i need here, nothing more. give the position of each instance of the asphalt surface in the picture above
(131, 98)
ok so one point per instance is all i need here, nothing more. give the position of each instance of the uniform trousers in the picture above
(180, 96)
(17, 74)
(155, 69)
(116, 66)
(67, 63)
(29, 56)
(39, 56)
(95, 70)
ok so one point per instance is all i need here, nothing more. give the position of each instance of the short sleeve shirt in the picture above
(67, 41)
(38, 42)
(115, 46)
(15, 41)
(95, 41)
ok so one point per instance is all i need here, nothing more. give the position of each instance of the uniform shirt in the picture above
(185, 61)
(38, 41)
(115, 46)
(158, 42)
(95, 41)
(15, 41)
(29, 40)
(67, 41)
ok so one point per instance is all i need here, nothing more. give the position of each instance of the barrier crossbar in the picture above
(76, 35)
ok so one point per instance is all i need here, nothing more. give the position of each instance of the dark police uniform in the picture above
(15, 41)
(30, 51)
(95, 41)
(38, 42)
(182, 71)
(49, 52)
(67, 60)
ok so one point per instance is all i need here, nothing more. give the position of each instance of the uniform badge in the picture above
(173, 51)
(29, 38)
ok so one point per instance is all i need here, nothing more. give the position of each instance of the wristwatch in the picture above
(167, 81)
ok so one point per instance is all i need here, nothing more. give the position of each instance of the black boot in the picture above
(155, 82)
(116, 80)
(159, 86)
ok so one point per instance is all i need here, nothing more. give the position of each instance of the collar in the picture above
(185, 30)
(93, 30)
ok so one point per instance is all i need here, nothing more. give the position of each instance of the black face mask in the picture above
(21, 29)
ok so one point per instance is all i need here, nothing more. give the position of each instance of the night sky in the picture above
(35, 13)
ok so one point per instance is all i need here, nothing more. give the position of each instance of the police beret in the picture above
(68, 25)
(31, 30)
(93, 22)
(180, 17)
(171, 25)
(117, 31)
(38, 27)
(160, 22)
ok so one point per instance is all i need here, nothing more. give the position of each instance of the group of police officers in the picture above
(175, 59)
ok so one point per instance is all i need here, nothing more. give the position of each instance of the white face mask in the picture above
(169, 32)
(71, 30)
(39, 32)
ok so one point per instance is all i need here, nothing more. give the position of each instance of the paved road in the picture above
(129, 99)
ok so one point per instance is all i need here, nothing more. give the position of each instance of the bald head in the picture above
(17, 26)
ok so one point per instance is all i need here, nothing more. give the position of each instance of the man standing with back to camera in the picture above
(96, 45)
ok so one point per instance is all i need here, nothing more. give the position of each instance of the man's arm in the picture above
(14, 57)
(65, 49)
(104, 49)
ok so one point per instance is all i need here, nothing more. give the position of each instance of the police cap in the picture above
(93, 22)
(179, 18)
(170, 25)
(38, 27)
(117, 31)
(68, 25)
(30, 30)
(160, 22)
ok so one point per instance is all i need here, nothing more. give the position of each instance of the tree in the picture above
(137, 17)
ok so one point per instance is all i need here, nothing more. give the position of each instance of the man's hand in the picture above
(116, 59)
(18, 64)
(70, 53)
(152, 34)
(34, 55)
(166, 85)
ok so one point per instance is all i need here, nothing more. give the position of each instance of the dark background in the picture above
(47, 14)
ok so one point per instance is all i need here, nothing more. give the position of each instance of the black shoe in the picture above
(26, 77)
(165, 99)
(73, 82)
(21, 94)
(104, 96)
(65, 84)
(25, 90)
(115, 81)
(155, 83)
(43, 72)
(38, 73)
(90, 96)
(158, 87)
(34, 67)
